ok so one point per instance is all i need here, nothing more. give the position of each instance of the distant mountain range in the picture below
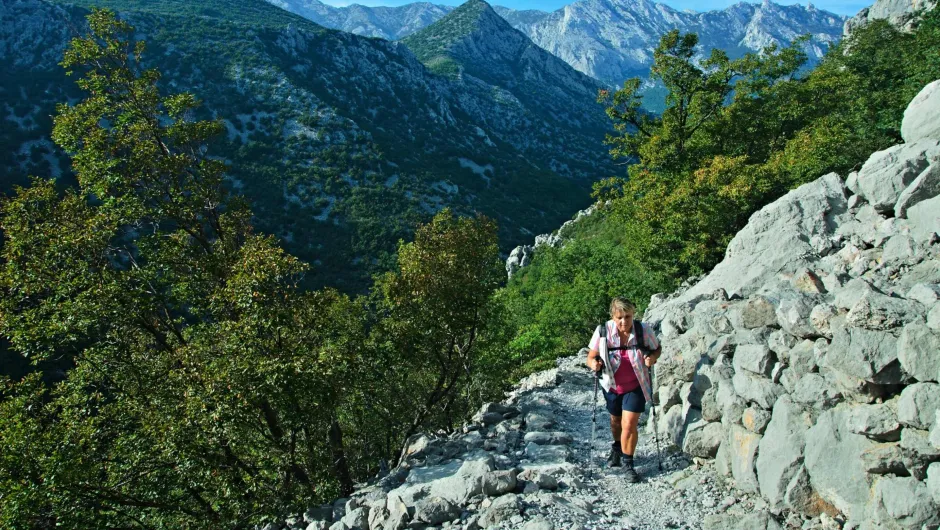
(341, 142)
(609, 40)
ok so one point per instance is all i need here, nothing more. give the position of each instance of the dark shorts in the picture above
(633, 401)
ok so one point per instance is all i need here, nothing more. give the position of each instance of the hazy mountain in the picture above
(609, 40)
(341, 142)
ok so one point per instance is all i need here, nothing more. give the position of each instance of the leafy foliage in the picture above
(736, 135)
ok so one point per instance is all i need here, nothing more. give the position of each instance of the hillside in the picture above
(342, 143)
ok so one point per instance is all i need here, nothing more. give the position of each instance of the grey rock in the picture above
(496, 483)
(318, 525)
(323, 512)
(808, 281)
(723, 459)
(898, 249)
(339, 525)
(933, 482)
(435, 510)
(761, 520)
(548, 438)
(357, 519)
(539, 420)
(887, 173)
(924, 219)
(547, 453)
(755, 419)
(756, 312)
(780, 454)
(802, 357)
(933, 319)
(922, 115)
(925, 293)
(903, 502)
(832, 456)
(876, 311)
(730, 404)
(925, 186)
(758, 390)
(793, 315)
(702, 439)
(878, 422)
(800, 495)
(918, 405)
(398, 515)
(742, 456)
(935, 432)
(780, 343)
(918, 441)
(542, 479)
(863, 354)
(539, 523)
(919, 352)
(754, 358)
(820, 318)
(501, 510)
(883, 459)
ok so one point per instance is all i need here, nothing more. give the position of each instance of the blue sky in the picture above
(842, 7)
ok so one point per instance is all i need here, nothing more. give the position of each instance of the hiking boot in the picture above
(630, 474)
(614, 459)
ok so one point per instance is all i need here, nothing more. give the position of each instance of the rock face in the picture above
(831, 297)
(900, 13)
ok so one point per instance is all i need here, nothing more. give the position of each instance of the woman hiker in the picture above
(626, 380)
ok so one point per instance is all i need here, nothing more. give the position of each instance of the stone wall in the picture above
(807, 363)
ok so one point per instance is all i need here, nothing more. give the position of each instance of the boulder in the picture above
(702, 439)
(878, 422)
(903, 503)
(780, 453)
(758, 311)
(501, 510)
(820, 318)
(761, 520)
(832, 456)
(922, 115)
(863, 354)
(934, 436)
(548, 438)
(877, 311)
(925, 186)
(780, 343)
(924, 219)
(742, 456)
(883, 459)
(357, 519)
(802, 357)
(926, 293)
(496, 483)
(813, 389)
(755, 419)
(933, 482)
(758, 390)
(730, 404)
(539, 523)
(919, 352)
(918, 405)
(757, 359)
(933, 320)
(540, 478)
(793, 315)
(435, 510)
(887, 173)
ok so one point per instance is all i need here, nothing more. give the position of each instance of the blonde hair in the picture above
(621, 305)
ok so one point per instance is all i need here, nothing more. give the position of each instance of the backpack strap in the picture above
(637, 333)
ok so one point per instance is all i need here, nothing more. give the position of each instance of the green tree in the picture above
(205, 387)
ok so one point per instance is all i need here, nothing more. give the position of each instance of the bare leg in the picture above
(629, 435)
(615, 422)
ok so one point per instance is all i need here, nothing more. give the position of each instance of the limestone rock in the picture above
(878, 422)
(903, 502)
(876, 311)
(883, 459)
(793, 315)
(496, 483)
(863, 354)
(755, 419)
(357, 519)
(887, 173)
(435, 510)
(919, 352)
(918, 405)
(502, 509)
(742, 453)
(820, 318)
(922, 115)
(762, 520)
(759, 390)
(548, 438)
(832, 457)
(754, 358)
(933, 482)
(702, 439)
(925, 186)
(924, 219)
(757, 311)
(780, 454)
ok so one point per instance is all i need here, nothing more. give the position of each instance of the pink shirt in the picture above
(625, 378)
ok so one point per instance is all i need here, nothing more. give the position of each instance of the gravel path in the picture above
(680, 496)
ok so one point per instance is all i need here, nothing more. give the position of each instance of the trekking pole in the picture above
(593, 420)
(659, 453)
